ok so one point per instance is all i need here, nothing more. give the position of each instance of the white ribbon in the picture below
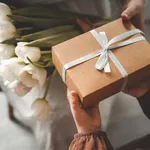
(106, 52)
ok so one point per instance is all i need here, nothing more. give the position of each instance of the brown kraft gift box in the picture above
(93, 85)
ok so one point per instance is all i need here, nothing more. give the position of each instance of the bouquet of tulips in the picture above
(26, 37)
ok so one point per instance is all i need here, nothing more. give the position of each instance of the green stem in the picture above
(48, 84)
(22, 29)
(46, 52)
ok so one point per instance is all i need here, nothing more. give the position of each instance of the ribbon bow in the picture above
(103, 61)
(106, 52)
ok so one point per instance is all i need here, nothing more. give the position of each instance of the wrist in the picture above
(92, 129)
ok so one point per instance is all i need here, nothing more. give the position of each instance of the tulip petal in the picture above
(7, 30)
(33, 76)
(40, 109)
(7, 73)
(4, 9)
(19, 88)
(6, 51)
(23, 52)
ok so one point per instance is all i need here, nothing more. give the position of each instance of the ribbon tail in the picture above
(107, 68)
(102, 61)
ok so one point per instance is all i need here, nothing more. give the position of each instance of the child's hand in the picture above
(134, 10)
(85, 120)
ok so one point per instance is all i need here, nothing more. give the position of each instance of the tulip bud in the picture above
(9, 71)
(6, 51)
(40, 109)
(7, 30)
(41, 106)
(5, 18)
(4, 9)
(32, 76)
(22, 51)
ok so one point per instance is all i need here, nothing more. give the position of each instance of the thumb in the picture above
(130, 11)
(74, 103)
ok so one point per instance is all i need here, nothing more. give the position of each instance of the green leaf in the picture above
(53, 40)
(46, 58)
(12, 41)
(45, 12)
(39, 65)
(35, 63)
(47, 32)
(13, 8)
(49, 63)
(21, 30)
(42, 23)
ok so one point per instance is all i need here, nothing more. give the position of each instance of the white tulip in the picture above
(7, 30)
(4, 18)
(19, 88)
(23, 52)
(6, 51)
(9, 71)
(4, 9)
(32, 76)
(40, 109)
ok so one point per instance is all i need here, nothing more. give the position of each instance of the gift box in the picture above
(94, 85)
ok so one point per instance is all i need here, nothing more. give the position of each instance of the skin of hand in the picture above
(134, 10)
(88, 120)
(139, 90)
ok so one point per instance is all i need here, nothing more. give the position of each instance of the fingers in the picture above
(76, 106)
(140, 89)
(132, 9)
(128, 13)
(137, 92)
(135, 12)
(95, 113)
(74, 103)
(85, 121)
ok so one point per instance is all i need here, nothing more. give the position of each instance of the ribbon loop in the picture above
(104, 40)
(124, 36)
(97, 37)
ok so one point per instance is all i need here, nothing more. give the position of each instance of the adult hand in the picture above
(86, 120)
(139, 90)
(134, 10)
